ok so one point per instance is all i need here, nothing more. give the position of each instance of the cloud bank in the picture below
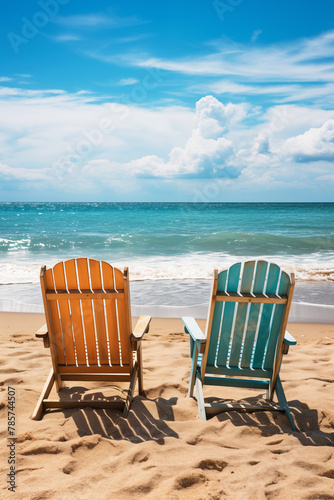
(52, 139)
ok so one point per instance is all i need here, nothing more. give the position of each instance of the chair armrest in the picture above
(42, 333)
(191, 327)
(142, 326)
(289, 339)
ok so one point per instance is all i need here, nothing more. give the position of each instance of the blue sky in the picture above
(223, 100)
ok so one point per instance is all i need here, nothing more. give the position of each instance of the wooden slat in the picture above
(235, 382)
(130, 392)
(242, 308)
(127, 307)
(273, 276)
(215, 331)
(87, 312)
(123, 321)
(44, 394)
(94, 369)
(266, 313)
(276, 333)
(239, 372)
(273, 337)
(96, 282)
(77, 295)
(98, 377)
(253, 318)
(251, 298)
(72, 284)
(65, 316)
(108, 283)
(227, 323)
(216, 321)
(55, 321)
(260, 277)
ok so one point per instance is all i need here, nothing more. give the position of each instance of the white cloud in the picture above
(305, 60)
(67, 38)
(203, 155)
(127, 81)
(88, 20)
(289, 92)
(206, 151)
(41, 128)
(255, 35)
(52, 139)
(314, 145)
(98, 21)
(24, 174)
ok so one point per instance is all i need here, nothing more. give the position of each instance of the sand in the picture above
(163, 451)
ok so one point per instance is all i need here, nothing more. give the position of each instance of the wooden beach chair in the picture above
(89, 331)
(245, 336)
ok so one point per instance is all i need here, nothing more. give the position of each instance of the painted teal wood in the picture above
(254, 313)
(266, 316)
(240, 320)
(222, 280)
(227, 320)
(273, 336)
(273, 277)
(200, 397)
(260, 276)
(238, 372)
(283, 402)
(215, 332)
(278, 314)
(196, 339)
(216, 322)
(244, 337)
(234, 382)
(289, 339)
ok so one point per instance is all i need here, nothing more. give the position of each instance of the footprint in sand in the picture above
(140, 457)
(70, 467)
(210, 464)
(188, 480)
(38, 449)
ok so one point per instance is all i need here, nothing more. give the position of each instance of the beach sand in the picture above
(162, 450)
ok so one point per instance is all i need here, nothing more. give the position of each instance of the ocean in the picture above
(171, 249)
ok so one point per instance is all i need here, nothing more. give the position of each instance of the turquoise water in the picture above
(183, 241)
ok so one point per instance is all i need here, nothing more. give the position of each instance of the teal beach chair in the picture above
(245, 336)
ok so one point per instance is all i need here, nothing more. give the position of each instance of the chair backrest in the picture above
(247, 319)
(87, 307)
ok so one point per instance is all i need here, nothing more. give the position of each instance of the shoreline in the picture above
(300, 312)
(312, 301)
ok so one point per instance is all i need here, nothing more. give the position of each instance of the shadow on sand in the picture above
(145, 422)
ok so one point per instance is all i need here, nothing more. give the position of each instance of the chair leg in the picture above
(37, 414)
(200, 397)
(140, 368)
(130, 392)
(283, 402)
(194, 358)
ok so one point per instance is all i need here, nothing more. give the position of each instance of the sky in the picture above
(204, 101)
